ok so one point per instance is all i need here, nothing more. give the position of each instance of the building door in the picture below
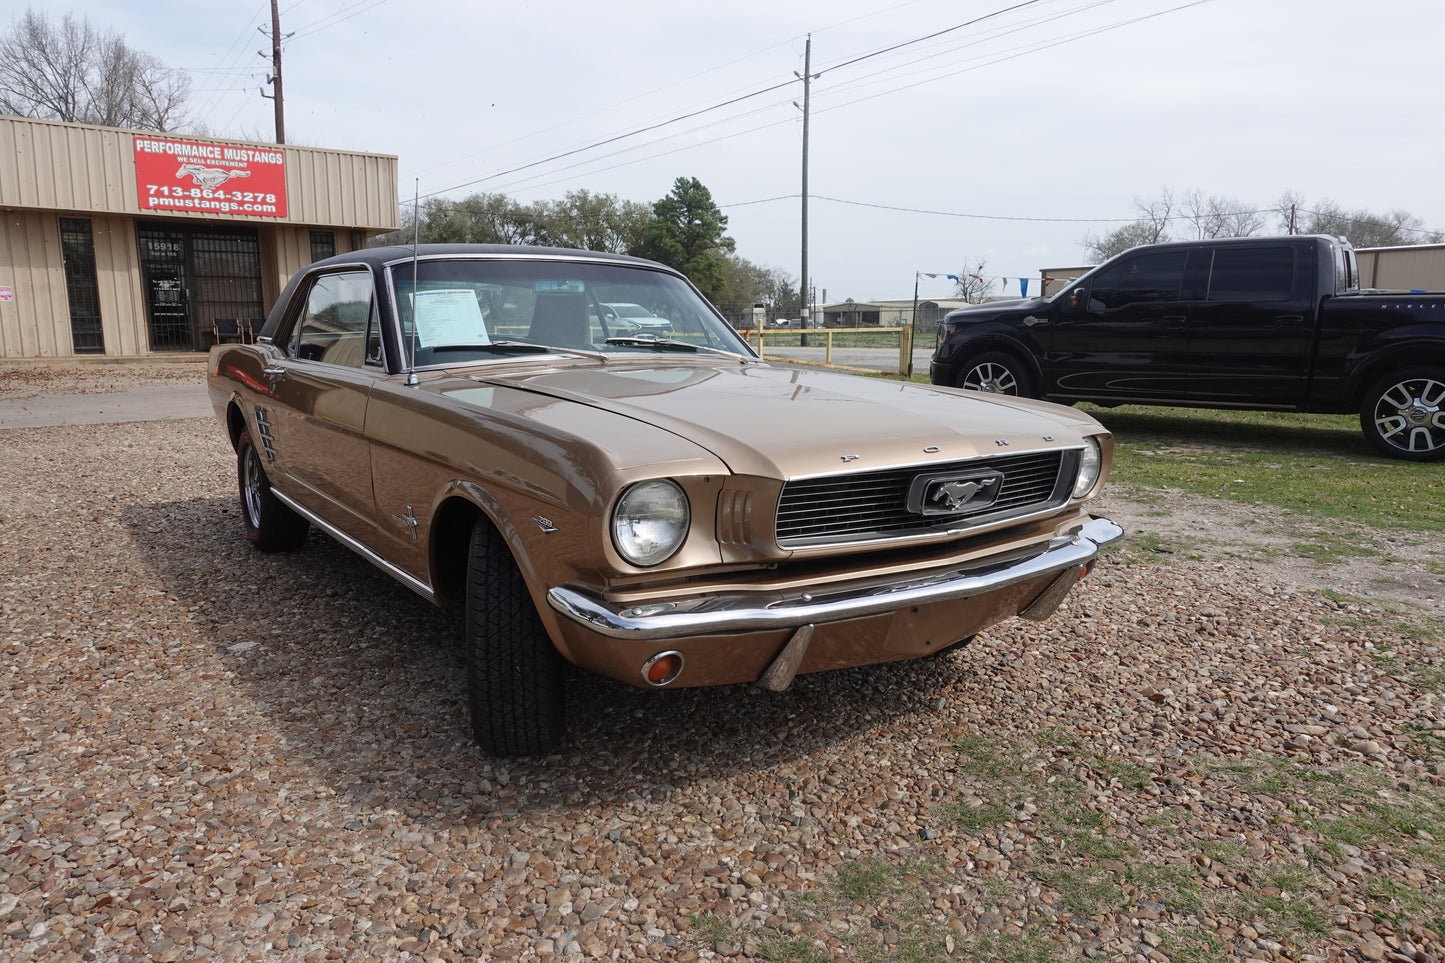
(226, 273)
(163, 274)
(194, 276)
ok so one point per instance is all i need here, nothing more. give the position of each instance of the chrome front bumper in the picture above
(732, 613)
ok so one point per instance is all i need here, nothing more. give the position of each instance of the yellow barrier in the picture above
(905, 344)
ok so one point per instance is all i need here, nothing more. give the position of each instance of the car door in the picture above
(1249, 334)
(1120, 335)
(319, 392)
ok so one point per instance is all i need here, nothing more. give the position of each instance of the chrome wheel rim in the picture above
(252, 481)
(994, 378)
(1411, 415)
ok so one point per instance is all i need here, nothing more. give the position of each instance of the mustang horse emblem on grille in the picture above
(953, 495)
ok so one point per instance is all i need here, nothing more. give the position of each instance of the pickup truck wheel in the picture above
(1403, 414)
(514, 674)
(270, 525)
(998, 373)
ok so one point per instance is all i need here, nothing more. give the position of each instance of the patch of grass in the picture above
(974, 819)
(861, 882)
(1315, 466)
(1326, 547)
(707, 928)
(1174, 886)
(790, 949)
(1128, 774)
(1030, 947)
(1144, 547)
(1084, 893)
(1196, 948)
(981, 756)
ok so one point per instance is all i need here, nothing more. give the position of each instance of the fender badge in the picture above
(409, 520)
(851, 457)
(545, 524)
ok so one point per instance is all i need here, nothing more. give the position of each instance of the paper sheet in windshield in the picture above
(449, 316)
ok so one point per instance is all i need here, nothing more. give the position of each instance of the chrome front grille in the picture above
(868, 506)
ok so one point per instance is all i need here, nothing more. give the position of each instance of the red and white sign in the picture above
(7, 293)
(178, 175)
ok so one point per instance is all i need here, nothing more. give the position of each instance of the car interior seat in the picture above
(561, 319)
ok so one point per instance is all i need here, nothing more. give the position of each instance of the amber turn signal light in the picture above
(662, 668)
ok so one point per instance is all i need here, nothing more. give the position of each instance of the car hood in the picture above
(785, 423)
(989, 309)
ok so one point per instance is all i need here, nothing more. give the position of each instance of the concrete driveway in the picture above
(141, 404)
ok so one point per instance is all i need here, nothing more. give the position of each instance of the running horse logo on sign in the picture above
(209, 177)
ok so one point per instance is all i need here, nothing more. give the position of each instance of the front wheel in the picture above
(1000, 373)
(1403, 414)
(270, 525)
(514, 674)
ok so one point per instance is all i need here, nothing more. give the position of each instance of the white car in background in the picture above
(636, 316)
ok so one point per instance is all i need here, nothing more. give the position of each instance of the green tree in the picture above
(592, 222)
(746, 284)
(686, 232)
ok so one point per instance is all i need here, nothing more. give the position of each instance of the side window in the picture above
(338, 323)
(1149, 277)
(1252, 274)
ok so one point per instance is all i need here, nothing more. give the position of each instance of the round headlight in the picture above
(650, 521)
(1090, 463)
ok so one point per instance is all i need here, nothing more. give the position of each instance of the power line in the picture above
(848, 62)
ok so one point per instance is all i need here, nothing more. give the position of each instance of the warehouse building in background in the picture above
(128, 243)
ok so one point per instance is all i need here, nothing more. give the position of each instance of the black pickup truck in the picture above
(1273, 323)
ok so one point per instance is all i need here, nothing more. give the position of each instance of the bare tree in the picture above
(970, 282)
(1214, 216)
(1361, 227)
(73, 72)
(1152, 227)
(1211, 216)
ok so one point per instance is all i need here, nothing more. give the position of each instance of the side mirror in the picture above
(1078, 298)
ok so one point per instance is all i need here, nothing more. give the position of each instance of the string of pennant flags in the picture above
(1002, 279)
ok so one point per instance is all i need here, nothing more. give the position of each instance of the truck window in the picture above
(1149, 277)
(1252, 274)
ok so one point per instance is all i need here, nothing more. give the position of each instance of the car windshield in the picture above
(472, 309)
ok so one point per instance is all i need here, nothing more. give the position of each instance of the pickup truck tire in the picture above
(998, 372)
(514, 674)
(1403, 414)
(270, 525)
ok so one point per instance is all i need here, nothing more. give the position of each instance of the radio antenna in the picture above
(411, 378)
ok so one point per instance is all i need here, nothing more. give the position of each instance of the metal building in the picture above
(128, 243)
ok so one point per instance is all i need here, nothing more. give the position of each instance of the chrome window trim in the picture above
(746, 355)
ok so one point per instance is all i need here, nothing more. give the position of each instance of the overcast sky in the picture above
(1007, 139)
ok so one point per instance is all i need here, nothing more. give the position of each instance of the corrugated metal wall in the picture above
(49, 165)
(30, 250)
(1419, 268)
(50, 170)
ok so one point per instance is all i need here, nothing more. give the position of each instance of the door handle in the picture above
(1173, 322)
(1289, 320)
(275, 374)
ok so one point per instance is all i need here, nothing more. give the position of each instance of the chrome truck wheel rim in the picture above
(1411, 415)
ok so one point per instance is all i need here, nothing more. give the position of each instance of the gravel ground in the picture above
(215, 754)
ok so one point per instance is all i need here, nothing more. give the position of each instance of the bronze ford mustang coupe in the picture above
(660, 507)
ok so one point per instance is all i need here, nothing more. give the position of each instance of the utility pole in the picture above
(807, 83)
(275, 78)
